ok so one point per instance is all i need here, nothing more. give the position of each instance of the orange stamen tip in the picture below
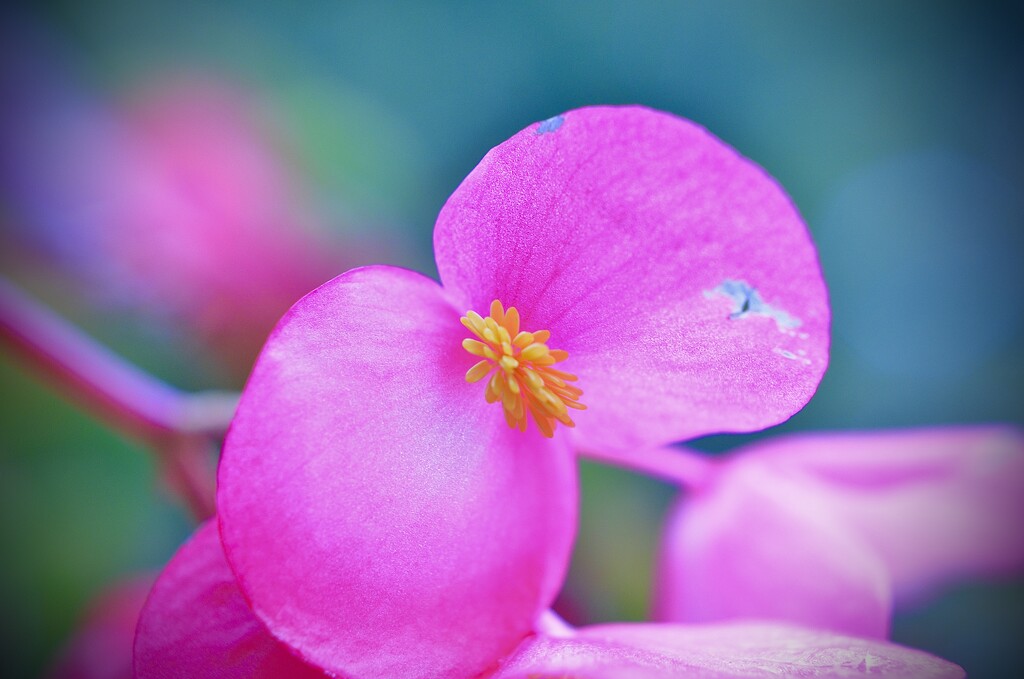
(525, 383)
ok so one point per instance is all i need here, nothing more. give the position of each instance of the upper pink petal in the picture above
(722, 651)
(676, 273)
(751, 547)
(196, 623)
(936, 505)
(382, 519)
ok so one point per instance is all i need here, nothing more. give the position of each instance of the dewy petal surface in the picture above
(752, 547)
(197, 624)
(936, 505)
(722, 651)
(677, 274)
(381, 517)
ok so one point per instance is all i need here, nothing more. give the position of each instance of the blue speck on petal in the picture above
(747, 301)
(550, 125)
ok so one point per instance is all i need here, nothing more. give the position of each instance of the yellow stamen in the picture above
(479, 371)
(523, 379)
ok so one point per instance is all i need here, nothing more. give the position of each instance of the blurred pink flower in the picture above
(830, 530)
(179, 202)
(385, 518)
(210, 215)
(101, 647)
(196, 624)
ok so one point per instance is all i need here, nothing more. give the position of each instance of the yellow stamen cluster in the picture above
(523, 378)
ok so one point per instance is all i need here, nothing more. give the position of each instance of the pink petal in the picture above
(752, 547)
(637, 238)
(196, 623)
(381, 517)
(723, 651)
(102, 646)
(936, 505)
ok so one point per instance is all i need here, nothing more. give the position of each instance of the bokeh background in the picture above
(174, 175)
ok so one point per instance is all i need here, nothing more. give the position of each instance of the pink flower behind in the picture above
(829, 530)
(212, 216)
(101, 647)
(178, 201)
(380, 513)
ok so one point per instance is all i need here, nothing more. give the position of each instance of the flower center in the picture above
(520, 366)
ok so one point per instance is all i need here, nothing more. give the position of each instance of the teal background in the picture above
(894, 126)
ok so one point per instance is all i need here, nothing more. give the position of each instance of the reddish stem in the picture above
(133, 402)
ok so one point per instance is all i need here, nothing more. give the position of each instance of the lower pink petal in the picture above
(722, 651)
(751, 547)
(197, 624)
(380, 516)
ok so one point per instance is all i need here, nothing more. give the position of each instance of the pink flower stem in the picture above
(179, 427)
(690, 469)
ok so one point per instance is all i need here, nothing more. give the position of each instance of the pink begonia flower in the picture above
(101, 647)
(196, 623)
(830, 530)
(397, 493)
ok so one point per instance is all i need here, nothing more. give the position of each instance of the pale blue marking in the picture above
(747, 301)
(550, 125)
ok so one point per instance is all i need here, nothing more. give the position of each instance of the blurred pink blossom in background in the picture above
(179, 200)
(833, 530)
(101, 647)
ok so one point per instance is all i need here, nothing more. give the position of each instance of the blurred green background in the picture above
(896, 128)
